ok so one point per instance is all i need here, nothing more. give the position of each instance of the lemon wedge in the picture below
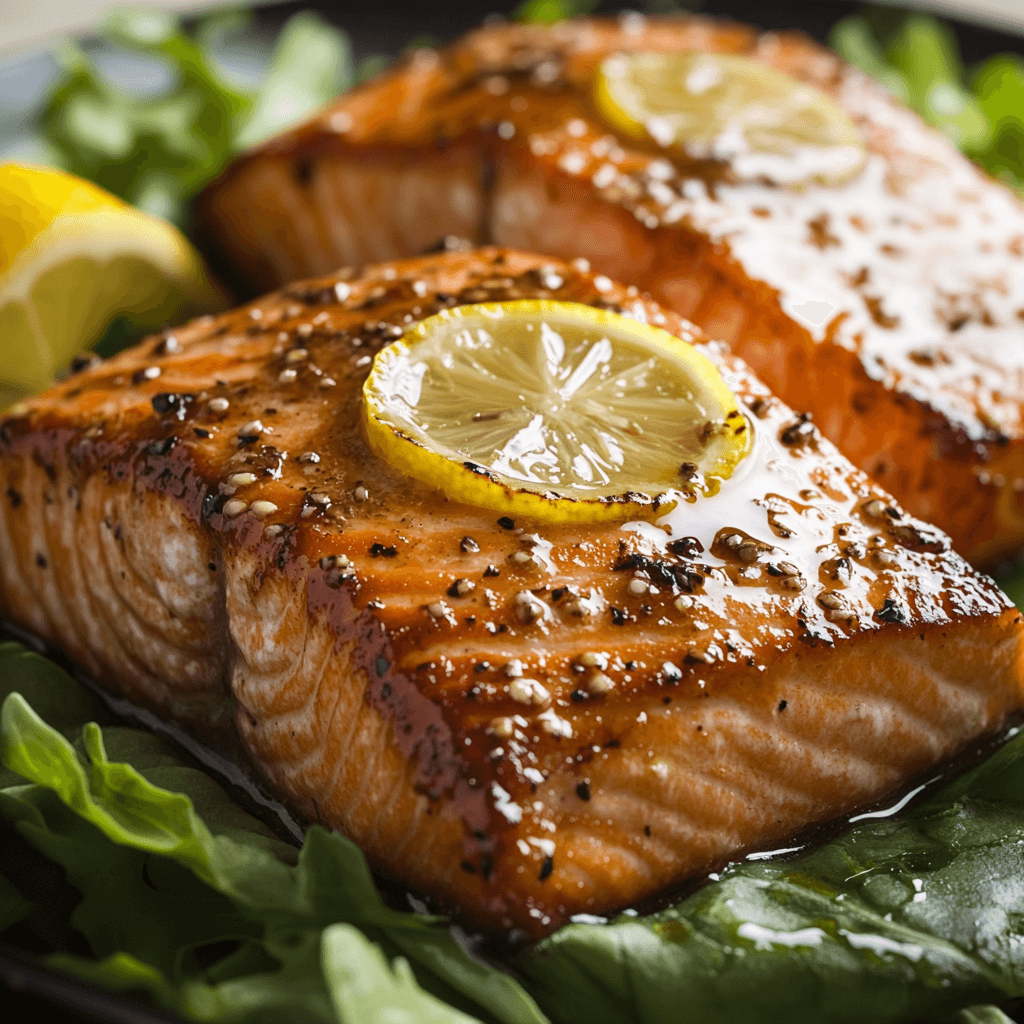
(731, 109)
(553, 410)
(72, 258)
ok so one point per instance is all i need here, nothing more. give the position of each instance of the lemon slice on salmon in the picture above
(553, 410)
(724, 107)
(72, 258)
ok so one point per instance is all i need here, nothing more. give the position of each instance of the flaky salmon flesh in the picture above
(523, 722)
(889, 307)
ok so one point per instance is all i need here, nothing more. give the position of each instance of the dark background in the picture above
(383, 27)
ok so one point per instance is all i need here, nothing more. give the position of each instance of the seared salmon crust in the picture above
(888, 307)
(592, 714)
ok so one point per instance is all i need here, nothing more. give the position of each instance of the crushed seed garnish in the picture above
(599, 683)
(261, 509)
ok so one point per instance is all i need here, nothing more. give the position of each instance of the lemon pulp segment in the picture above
(724, 107)
(72, 258)
(552, 409)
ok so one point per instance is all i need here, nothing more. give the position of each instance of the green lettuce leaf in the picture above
(981, 1015)
(999, 86)
(917, 58)
(154, 151)
(897, 920)
(547, 12)
(312, 63)
(188, 899)
(157, 151)
(854, 41)
(365, 989)
(242, 917)
(925, 52)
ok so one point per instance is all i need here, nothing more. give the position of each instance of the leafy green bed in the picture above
(190, 900)
(157, 149)
(979, 109)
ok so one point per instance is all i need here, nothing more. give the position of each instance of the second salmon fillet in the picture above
(525, 722)
(890, 306)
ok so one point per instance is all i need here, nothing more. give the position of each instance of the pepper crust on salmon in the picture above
(890, 307)
(523, 722)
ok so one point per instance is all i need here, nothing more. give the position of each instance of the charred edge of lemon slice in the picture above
(612, 112)
(485, 489)
(474, 484)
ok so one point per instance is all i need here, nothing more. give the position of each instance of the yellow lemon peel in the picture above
(72, 258)
(761, 122)
(553, 410)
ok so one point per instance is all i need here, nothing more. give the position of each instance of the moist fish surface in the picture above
(889, 307)
(524, 722)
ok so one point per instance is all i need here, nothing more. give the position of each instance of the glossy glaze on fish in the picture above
(889, 307)
(524, 722)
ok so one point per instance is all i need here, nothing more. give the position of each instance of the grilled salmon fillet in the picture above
(524, 722)
(889, 307)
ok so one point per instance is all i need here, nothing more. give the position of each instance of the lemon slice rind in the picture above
(730, 108)
(396, 436)
(75, 258)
